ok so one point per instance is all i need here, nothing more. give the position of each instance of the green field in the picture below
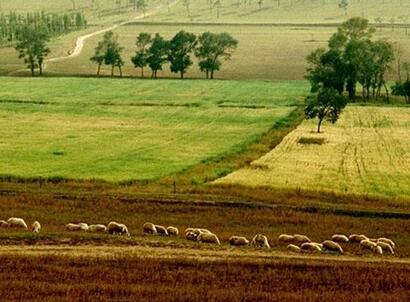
(130, 129)
(366, 153)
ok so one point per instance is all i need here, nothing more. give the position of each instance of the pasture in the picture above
(366, 153)
(119, 130)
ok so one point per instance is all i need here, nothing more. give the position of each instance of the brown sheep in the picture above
(301, 238)
(238, 241)
(340, 238)
(161, 230)
(260, 241)
(285, 238)
(293, 248)
(172, 231)
(149, 228)
(332, 246)
(208, 238)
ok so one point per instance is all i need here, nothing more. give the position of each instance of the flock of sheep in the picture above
(295, 243)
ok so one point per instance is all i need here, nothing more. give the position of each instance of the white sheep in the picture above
(149, 228)
(340, 238)
(3, 224)
(72, 227)
(385, 247)
(238, 241)
(367, 244)
(293, 248)
(114, 228)
(161, 230)
(172, 231)
(357, 238)
(208, 238)
(332, 246)
(260, 241)
(286, 238)
(311, 246)
(36, 227)
(97, 228)
(387, 240)
(83, 226)
(17, 223)
(301, 238)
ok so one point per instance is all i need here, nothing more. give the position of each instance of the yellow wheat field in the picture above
(366, 152)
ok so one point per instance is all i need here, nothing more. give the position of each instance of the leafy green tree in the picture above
(180, 48)
(32, 47)
(212, 48)
(108, 51)
(99, 55)
(157, 54)
(140, 59)
(327, 104)
(402, 89)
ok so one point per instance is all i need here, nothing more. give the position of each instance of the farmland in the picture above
(365, 153)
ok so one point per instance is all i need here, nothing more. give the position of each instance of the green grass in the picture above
(365, 153)
(126, 129)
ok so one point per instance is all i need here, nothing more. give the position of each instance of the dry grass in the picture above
(365, 153)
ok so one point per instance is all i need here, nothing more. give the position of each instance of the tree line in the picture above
(13, 24)
(154, 51)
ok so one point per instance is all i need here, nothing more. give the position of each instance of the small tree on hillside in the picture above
(157, 54)
(180, 48)
(99, 56)
(326, 104)
(141, 56)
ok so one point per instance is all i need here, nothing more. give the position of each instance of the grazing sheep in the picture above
(17, 223)
(357, 238)
(332, 246)
(388, 241)
(208, 238)
(285, 238)
(311, 246)
(293, 248)
(83, 226)
(238, 241)
(172, 231)
(161, 230)
(97, 228)
(367, 244)
(191, 236)
(36, 226)
(301, 238)
(340, 238)
(72, 227)
(3, 224)
(378, 250)
(149, 228)
(117, 228)
(260, 241)
(385, 247)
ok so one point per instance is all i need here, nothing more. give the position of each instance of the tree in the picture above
(180, 48)
(32, 47)
(402, 89)
(326, 104)
(108, 51)
(141, 56)
(344, 4)
(212, 48)
(99, 55)
(157, 54)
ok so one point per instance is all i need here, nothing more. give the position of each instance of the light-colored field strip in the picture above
(367, 153)
(231, 254)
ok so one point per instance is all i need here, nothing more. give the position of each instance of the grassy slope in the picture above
(365, 153)
(126, 129)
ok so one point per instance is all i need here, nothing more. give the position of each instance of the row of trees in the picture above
(155, 51)
(12, 24)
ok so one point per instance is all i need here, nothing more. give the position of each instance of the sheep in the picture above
(285, 238)
(205, 231)
(238, 241)
(149, 228)
(385, 247)
(293, 248)
(260, 241)
(161, 230)
(311, 246)
(301, 238)
(367, 244)
(208, 238)
(340, 238)
(83, 226)
(17, 223)
(117, 228)
(388, 241)
(357, 238)
(172, 231)
(72, 227)
(36, 226)
(332, 246)
(97, 228)
(3, 224)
